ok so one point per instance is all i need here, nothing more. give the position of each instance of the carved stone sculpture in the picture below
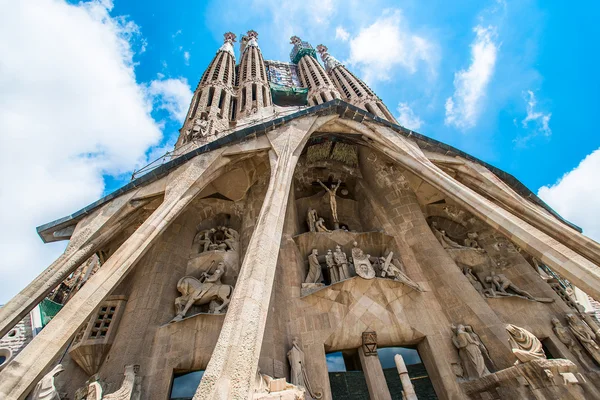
(204, 239)
(484, 351)
(468, 272)
(332, 267)
(232, 238)
(332, 200)
(311, 219)
(199, 129)
(501, 286)
(314, 268)
(320, 226)
(525, 346)
(471, 240)
(202, 291)
(469, 352)
(341, 260)
(362, 263)
(130, 388)
(563, 333)
(298, 370)
(474, 257)
(392, 268)
(45, 389)
(585, 335)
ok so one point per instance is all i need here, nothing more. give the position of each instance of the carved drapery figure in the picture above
(45, 389)
(501, 285)
(311, 219)
(564, 335)
(341, 260)
(298, 370)
(585, 335)
(525, 346)
(484, 351)
(392, 268)
(332, 267)
(130, 388)
(332, 200)
(320, 226)
(202, 291)
(362, 263)
(444, 240)
(314, 268)
(469, 352)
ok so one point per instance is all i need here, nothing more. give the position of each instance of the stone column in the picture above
(560, 258)
(378, 389)
(91, 233)
(407, 386)
(21, 374)
(231, 372)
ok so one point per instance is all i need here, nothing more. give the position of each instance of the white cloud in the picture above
(464, 107)
(407, 117)
(172, 95)
(186, 57)
(539, 119)
(576, 196)
(342, 34)
(387, 44)
(70, 111)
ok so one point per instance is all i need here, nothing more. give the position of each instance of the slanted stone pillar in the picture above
(378, 389)
(22, 373)
(91, 233)
(407, 386)
(231, 372)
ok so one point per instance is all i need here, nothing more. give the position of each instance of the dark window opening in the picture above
(243, 105)
(233, 108)
(221, 99)
(254, 92)
(211, 94)
(265, 98)
(323, 97)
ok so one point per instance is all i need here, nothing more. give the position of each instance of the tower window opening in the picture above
(262, 66)
(351, 83)
(218, 67)
(314, 76)
(323, 97)
(362, 84)
(226, 73)
(233, 108)
(265, 98)
(254, 92)
(370, 109)
(207, 72)
(196, 102)
(306, 78)
(315, 101)
(244, 66)
(320, 69)
(253, 62)
(221, 101)
(211, 94)
(332, 95)
(243, 105)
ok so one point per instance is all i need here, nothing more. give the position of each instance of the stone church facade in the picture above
(295, 220)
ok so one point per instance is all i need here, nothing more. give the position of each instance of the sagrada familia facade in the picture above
(295, 221)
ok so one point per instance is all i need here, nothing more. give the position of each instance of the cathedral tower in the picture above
(253, 90)
(210, 110)
(354, 90)
(312, 75)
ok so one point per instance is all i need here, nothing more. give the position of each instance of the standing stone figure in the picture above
(484, 351)
(470, 353)
(45, 389)
(585, 336)
(564, 335)
(298, 369)
(525, 346)
(331, 267)
(332, 200)
(468, 272)
(362, 263)
(314, 268)
(342, 262)
(311, 219)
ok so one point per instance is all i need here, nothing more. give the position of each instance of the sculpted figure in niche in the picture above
(484, 350)
(232, 238)
(444, 240)
(311, 219)
(314, 268)
(320, 226)
(342, 262)
(45, 389)
(332, 267)
(202, 291)
(332, 200)
(362, 263)
(584, 334)
(204, 239)
(564, 335)
(471, 240)
(468, 272)
(470, 353)
(298, 370)
(501, 285)
(393, 268)
(525, 346)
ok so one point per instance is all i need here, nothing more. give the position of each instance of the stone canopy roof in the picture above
(336, 106)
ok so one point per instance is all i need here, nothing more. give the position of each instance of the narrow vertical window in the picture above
(211, 94)
(243, 99)
(254, 92)
(221, 100)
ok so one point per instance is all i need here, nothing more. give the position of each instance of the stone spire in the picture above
(312, 74)
(254, 92)
(354, 90)
(210, 110)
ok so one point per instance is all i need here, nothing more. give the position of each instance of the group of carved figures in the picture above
(476, 361)
(219, 238)
(199, 129)
(338, 266)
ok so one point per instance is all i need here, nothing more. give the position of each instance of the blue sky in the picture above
(91, 90)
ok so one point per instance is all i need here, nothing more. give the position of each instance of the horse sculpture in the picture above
(201, 291)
